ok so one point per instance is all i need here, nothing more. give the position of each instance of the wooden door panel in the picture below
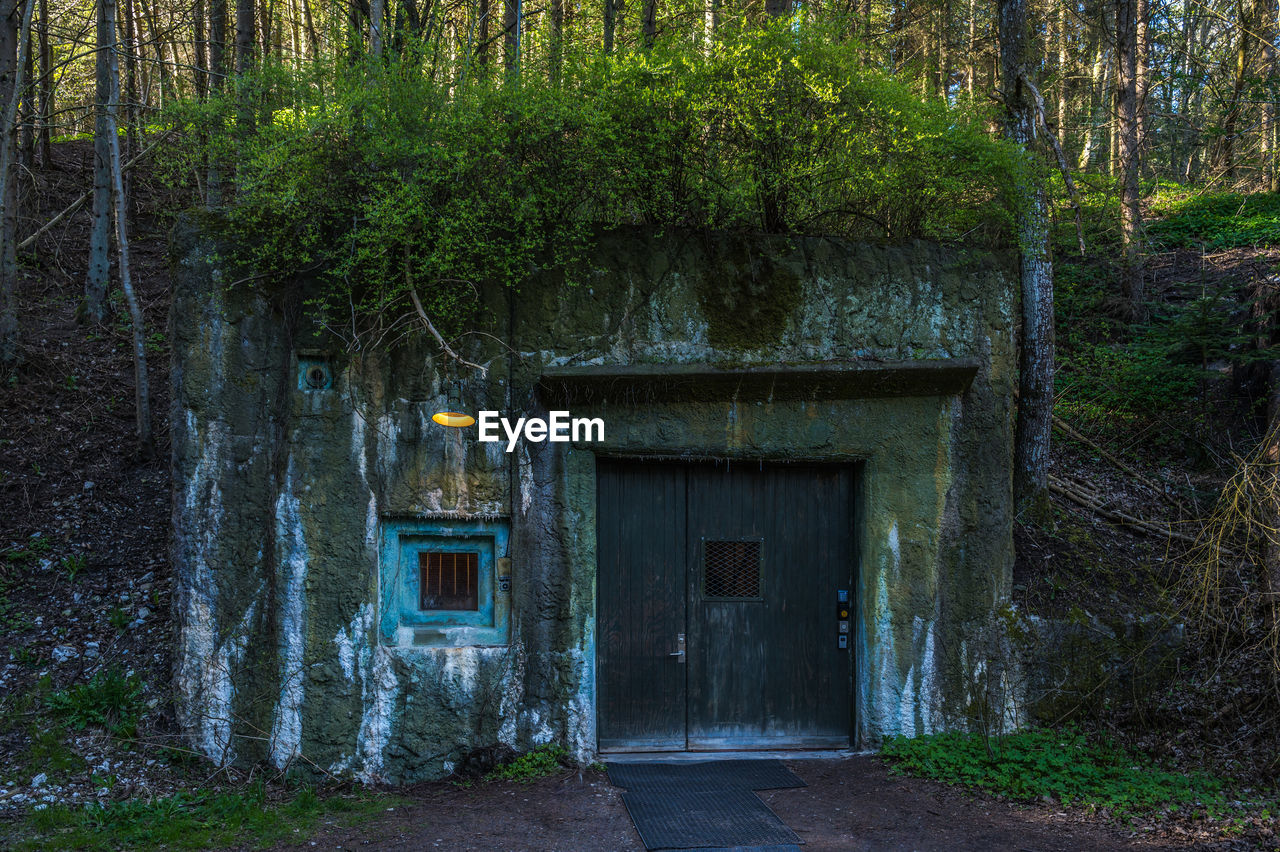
(641, 700)
(768, 672)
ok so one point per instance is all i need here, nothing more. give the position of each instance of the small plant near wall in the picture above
(110, 699)
(542, 761)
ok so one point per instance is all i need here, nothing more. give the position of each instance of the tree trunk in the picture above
(142, 395)
(217, 85)
(557, 41)
(511, 37)
(901, 43)
(866, 30)
(244, 64)
(1270, 177)
(649, 25)
(313, 38)
(610, 23)
(971, 64)
(201, 51)
(1226, 159)
(1131, 283)
(45, 142)
(132, 97)
(1063, 75)
(15, 37)
(1142, 76)
(98, 279)
(944, 52)
(482, 51)
(1100, 97)
(1035, 360)
(27, 139)
(772, 8)
(264, 16)
(377, 12)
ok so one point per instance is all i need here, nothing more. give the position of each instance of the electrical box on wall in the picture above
(444, 583)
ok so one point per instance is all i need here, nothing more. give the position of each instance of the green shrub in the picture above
(1065, 765)
(389, 177)
(111, 699)
(542, 761)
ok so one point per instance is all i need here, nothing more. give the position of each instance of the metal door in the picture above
(719, 600)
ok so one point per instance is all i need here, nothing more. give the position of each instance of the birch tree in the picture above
(1035, 360)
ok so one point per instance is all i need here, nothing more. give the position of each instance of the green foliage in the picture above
(1130, 379)
(12, 618)
(1217, 221)
(111, 699)
(542, 761)
(1065, 765)
(199, 820)
(26, 555)
(72, 565)
(1152, 369)
(390, 177)
(49, 753)
(119, 617)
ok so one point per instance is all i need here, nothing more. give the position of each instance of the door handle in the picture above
(680, 645)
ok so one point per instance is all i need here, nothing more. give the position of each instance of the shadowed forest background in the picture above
(405, 153)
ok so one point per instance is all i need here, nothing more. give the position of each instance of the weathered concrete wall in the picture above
(282, 492)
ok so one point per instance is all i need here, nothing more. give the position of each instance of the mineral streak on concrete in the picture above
(900, 358)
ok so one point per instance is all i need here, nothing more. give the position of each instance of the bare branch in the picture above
(1062, 159)
(417, 306)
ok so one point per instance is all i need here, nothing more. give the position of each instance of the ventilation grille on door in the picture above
(731, 570)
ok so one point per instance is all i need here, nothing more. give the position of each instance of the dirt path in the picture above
(852, 804)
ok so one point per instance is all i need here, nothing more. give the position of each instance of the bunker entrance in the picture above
(725, 605)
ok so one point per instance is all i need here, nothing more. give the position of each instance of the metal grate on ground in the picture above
(705, 819)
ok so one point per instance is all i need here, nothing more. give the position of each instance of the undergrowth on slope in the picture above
(1066, 765)
(1217, 221)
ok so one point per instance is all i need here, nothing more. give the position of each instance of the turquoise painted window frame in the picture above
(400, 615)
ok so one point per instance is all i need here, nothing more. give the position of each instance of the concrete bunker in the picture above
(366, 592)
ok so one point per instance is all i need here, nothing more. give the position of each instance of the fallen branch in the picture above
(1124, 466)
(417, 305)
(1062, 489)
(75, 205)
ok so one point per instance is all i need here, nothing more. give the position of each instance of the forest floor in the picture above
(851, 804)
(86, 596)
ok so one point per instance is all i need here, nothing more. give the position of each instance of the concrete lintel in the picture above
(646, 383)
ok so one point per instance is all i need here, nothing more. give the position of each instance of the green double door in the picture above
(721, 591)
